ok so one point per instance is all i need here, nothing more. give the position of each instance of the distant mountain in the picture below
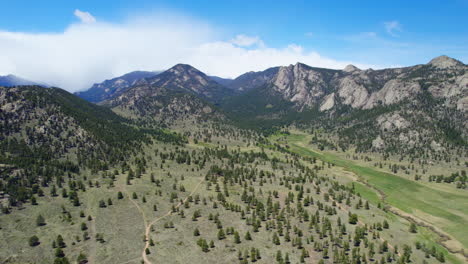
(12, 80)
(418, 107)
(183, 77)
(250, 80)
(109, 88)
(182, 92)
(309, 87)
(222, 81)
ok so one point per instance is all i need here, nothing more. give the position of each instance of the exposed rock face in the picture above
(351, 68)
(328, 103)
(394, 91)
(444, 62)
(454, 89)
(306, 86)
(300, 84)
(378, 143)
(391, 122)
(352, 93)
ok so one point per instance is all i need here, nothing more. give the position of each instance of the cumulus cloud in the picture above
(84, 17)
(86, 53)
(392, 27)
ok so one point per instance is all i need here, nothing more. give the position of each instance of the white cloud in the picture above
(309, 34)
(85, 17)
(392, 27)
(85, 53)
(247, 41)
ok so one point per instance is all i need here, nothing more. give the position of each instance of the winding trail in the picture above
(148, 226)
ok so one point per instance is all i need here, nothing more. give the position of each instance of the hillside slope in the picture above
(47, 132)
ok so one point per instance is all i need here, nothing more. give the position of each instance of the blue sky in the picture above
(322, 33)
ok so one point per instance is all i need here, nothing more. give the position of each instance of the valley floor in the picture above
(229, 198)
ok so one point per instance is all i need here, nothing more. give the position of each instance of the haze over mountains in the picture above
(12, 80)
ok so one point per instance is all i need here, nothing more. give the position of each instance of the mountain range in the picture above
(13, 80)
(418, 107)
(397, 110)
(308, 87)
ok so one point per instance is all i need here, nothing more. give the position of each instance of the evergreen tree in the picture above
(33, 241)
(82, 259)
(40, 221)
(237, 239)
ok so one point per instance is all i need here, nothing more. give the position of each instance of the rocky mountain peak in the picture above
(444, 62)
(183, 68)
(351, 68)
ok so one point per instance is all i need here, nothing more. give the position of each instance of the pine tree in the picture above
(221, 234)
(385, 224)
(59, 253)
(40, 221)
(276, 240)
(33, 241)
(353, 219)
(248, 236)
(82, 259)
(237, 239)
(60, 242)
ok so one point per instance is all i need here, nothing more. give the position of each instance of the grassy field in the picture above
(441, 208)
